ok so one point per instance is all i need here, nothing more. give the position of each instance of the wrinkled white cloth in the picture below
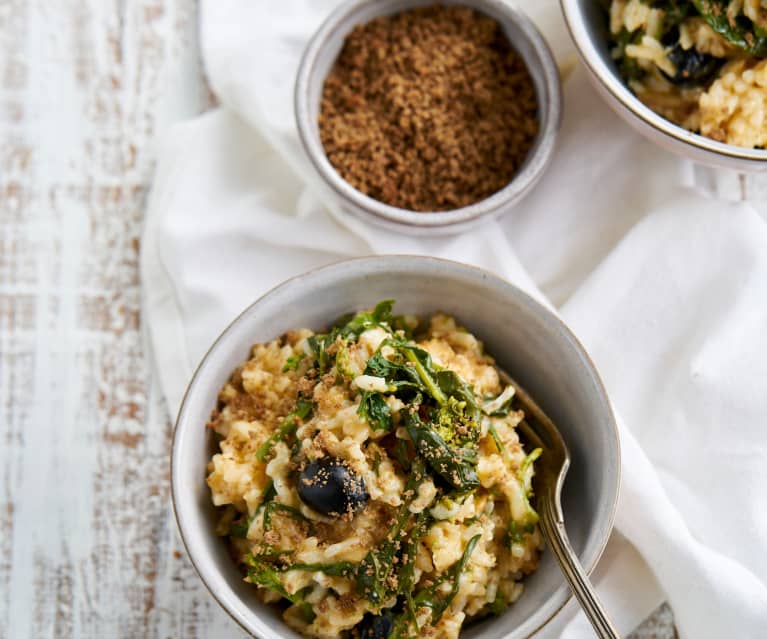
(666, 288)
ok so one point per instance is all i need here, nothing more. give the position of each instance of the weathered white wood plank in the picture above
(86, 87)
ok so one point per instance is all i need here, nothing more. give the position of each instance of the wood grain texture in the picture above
(88, 545)
(88, 542)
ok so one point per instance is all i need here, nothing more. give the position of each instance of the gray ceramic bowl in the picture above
(322, 52)
(528, 340)
(588, 27)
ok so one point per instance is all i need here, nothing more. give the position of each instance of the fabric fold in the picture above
(666, 287)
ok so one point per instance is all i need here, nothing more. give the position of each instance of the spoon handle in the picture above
(553, 528)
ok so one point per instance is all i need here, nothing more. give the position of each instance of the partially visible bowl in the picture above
(527, 340)
(318, 59)
(588, 27)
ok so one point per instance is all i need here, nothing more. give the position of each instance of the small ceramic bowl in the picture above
(527, 340)
(321, 54)
(587, 22)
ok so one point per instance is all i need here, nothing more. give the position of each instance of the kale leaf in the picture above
(737, 30)
(429, 597)
(376, 411)
(293, 362)
(348, 328)
(287, 428)
(373, 572)
(266, 576)
(275, 506)
(320, 343)
(362, 321)
(457, 465)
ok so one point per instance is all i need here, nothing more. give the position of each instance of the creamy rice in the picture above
(698, 63)
(371, 481)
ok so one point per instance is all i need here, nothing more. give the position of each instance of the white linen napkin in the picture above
(666, 288)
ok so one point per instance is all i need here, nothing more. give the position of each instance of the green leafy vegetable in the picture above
(397, 374)
(319, 344)
(455, 422)
(445, 435)
(402, 454)
(406, 577)
(429, 597)
(454, 574)
(348, 328)
(376, 411)
(423, 365)
(240, 528)
(362, 321)
(738, 30)
(515, 533)
(273, 554)
(526, 470)
(275, 506)
(674, 12)
(264, 575)
(344, 360)
(455, 388)
(456, 465)
(500, 406)
(373, 572)
(338, 569)
(372, 575)
(405, 324)
(628, 66)
(494, 434)
(293, 362)
(270, 492)
(526, 481)
(495, 608)
(411, 368)
(286, 429)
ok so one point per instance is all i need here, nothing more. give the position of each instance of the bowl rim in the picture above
(371, 261)
(538, 157)
(618, 89)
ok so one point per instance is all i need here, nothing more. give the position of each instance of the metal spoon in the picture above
(551, 469)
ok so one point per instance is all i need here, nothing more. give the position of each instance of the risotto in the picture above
(698, 63)
(371, 481)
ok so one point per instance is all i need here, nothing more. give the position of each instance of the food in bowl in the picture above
(700, 63)
(430, 109)
(371, 480)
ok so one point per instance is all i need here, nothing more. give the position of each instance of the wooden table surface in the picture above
(88, 544)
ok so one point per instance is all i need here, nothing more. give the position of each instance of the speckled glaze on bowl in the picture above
(322, 52)
(588, 28)
(527, 340)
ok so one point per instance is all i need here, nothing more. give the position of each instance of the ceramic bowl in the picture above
(587, 22)
(527, 340)
(322, 52)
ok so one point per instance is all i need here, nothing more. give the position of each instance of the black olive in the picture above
(329, 486)
(692, 67)
(376, 626)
